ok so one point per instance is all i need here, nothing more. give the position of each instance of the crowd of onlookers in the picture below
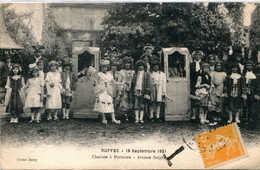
(218, 89)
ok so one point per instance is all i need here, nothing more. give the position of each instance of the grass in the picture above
(89, 132)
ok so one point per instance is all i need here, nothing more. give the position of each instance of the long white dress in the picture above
(35, 87)
(104, 90)
(53, 93)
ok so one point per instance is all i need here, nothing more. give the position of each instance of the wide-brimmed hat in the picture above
(17, 65)
(34, 69)
(114, 62)
(234, 65)
(38, 48)
(53, 62)
(148, 46)
(205, 65)
(67, 62)
(250, 62)
(154, 60)
(104, 62)
(41, 61)
(197, 52)
(140, 63)
(128, 59)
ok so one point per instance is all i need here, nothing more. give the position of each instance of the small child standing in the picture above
(34, 97)
(68, 79)
(203, 86)
(140, 84)
(249, 78)
(42, 74)
(157, 85)
(104, 90)
(42, 67)
(115, 67)
(54, 87)
(233, 90)
(125, 93)
(218, 78)
(13, 99)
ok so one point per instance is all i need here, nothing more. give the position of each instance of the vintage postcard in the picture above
(127, 85)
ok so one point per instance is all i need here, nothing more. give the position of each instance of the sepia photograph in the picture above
(130, 85)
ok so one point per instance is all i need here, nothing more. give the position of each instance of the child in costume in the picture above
(115, 67)
(218, 77)
(249, 80)
(195, 70)
(140, 84)
(104, 90)
(68, 79)
(42, 74)
(233, 90)
(203, 86)
(14, 97)
(157, 85)
(256, 102)
(125, 94)
(34, 97)
(54, 88)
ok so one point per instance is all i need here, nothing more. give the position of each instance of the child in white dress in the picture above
(157, 85)
(104, 90)
(34, 97)
(42, 74)
(54, 87)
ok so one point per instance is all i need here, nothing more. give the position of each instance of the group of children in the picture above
(130, 90)
(231, 88)
(123, 86)
(51, 91)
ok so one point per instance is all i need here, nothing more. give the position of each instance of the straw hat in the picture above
(148, 46)
(53, 62)
(104, 62)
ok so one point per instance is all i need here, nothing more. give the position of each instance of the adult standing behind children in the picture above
(195, 70)
(37, 56)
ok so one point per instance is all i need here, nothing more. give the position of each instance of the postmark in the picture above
(221, 146)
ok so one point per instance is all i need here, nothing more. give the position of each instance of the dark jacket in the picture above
(194, 76)
(228, 86)
(146, 80)
(72, 77)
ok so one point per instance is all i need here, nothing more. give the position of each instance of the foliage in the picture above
(234, 19)
(130, 26)
(51, 39)
(18, 28)
(255, 29)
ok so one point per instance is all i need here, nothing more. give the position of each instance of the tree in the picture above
(255, 29)
(18, 29)
(129, 26)
(51, 37)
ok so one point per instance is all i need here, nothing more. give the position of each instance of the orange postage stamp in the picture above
(221, 145)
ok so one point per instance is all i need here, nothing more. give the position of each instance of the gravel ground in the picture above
(77, 137)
